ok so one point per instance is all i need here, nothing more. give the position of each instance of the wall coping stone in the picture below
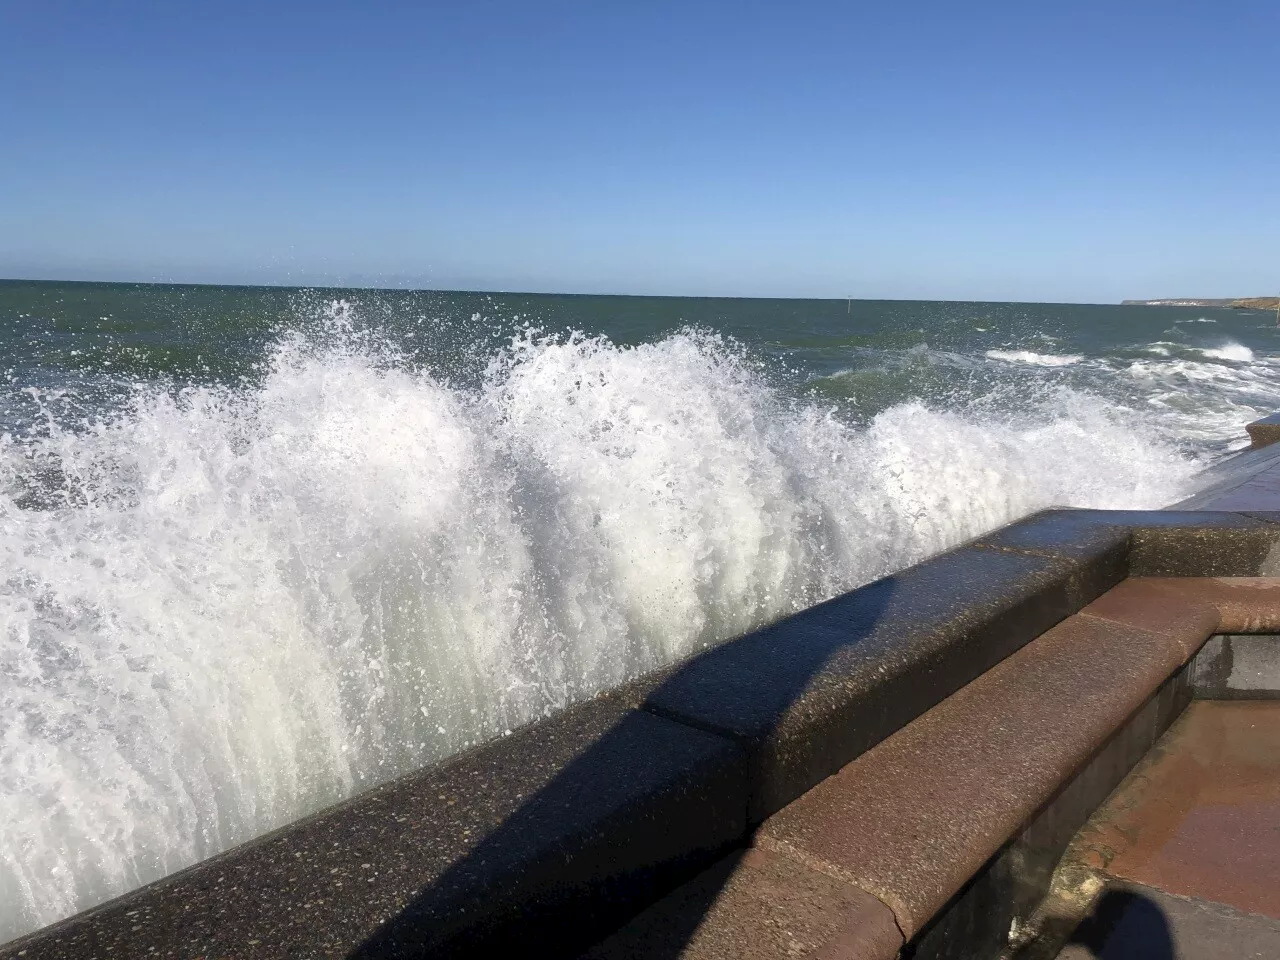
(1264, 432)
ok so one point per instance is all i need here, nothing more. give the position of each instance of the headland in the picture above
(1233, 303)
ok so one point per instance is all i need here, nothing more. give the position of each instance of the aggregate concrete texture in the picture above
(537, 838)
(1208, 542)
(1264, 432)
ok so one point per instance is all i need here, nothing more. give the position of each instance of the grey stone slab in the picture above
(1238, 667)
(1171, 519)
(1260, 492)
(1194, 543)
(1206, 551)
(552, 836)
(1133, 922)
(812, 692)
(1085, 535)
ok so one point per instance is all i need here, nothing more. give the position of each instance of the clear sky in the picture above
(1031, 150)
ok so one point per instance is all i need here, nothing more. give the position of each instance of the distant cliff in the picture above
(1238, 303)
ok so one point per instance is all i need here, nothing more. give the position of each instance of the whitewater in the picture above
(226, 606)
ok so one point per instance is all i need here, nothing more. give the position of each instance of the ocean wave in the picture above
(232, 606)
(1235, 352)
(1037, 359)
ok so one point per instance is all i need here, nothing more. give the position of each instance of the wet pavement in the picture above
(1189, 846)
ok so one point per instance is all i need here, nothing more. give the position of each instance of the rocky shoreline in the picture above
(1238, 303)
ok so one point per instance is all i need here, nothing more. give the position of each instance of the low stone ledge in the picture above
(550, 836)
(912, 820)
(1098, 537)
(754, 905)
(1158, 543)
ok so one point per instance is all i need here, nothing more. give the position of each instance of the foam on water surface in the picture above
(1229, 351)
(224, 607)
(1037, 359)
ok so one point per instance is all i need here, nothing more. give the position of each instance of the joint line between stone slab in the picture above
(738, 739)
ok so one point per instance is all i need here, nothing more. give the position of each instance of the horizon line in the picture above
(565, 293)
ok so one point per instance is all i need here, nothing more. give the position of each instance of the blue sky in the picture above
(1038, 151)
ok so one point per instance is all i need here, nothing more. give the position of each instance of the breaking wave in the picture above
(1235, 352)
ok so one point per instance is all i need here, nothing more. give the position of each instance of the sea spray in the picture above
(224, 607)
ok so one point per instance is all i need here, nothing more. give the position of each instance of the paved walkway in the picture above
(1189, 846)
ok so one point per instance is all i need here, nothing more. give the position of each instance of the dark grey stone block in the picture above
(809, 694)
(1247, 549)
(542, 841)
(1085, 535)
(1169, 519)
(1185, 543)
(1238, 667)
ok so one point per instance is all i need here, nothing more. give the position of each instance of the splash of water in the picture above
(224, 608)
(1036, 359)
(1236, 352)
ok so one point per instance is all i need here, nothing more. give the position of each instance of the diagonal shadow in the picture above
(529, 889)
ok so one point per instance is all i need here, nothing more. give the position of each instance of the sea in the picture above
(263, 548)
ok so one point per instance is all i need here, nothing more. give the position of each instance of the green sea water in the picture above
(1212, 368)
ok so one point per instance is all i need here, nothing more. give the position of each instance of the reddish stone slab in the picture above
(1201, 817)
(1247, 604)
(1192, 607)
(1177, 606)
(913, 819)
(758, 906)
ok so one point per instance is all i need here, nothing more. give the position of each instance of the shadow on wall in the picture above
(1124, 925)
(581, 891)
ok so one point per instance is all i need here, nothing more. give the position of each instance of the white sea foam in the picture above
(1036, 359)
(238, 605)
(1235, 352)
